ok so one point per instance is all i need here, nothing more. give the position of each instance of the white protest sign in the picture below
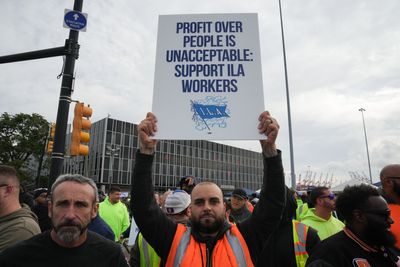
(208, 82)
(133, 233)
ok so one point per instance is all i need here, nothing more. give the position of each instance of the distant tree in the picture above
(21, 137)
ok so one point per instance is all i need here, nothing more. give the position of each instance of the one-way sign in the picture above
(75, 20)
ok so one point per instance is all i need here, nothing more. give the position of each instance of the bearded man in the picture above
(366, 239)
(73, 204)
(209, 240)
(390, 179)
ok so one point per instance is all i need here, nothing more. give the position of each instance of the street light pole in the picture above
(112, 152)
(293, 173)
(366, 144)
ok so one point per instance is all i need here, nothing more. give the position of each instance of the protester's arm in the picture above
(312, 240)
(154, 225)
(125, 221)
(268, 211)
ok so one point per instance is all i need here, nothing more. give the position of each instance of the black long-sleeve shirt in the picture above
(159, 230)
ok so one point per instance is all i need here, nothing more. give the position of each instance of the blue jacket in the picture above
(99, 226)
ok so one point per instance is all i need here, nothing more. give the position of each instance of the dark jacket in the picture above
(159, 231)
(238, 216)
(279, 248)
(341, 250)
(99, 226)
(42, 212)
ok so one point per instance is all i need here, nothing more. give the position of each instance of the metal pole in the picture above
(293, 173)
(112, 152)
(42, 156)
(57, 157)
(110, 176)
(104, 150)
(366, 144)
(45, 53)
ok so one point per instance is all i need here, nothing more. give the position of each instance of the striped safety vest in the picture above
(230, 250)
(148, 257)
(300, 231)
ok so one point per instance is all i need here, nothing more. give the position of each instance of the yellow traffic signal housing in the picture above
(50, 145)
(50, 142)
(81, 124)
(52, 130)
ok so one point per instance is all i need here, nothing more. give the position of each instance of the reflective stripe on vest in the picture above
(299, 241)
(181, 249)
(180, 246)
(237, 249)
(148, 257)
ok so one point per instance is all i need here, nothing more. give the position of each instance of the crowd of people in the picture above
(194, 225)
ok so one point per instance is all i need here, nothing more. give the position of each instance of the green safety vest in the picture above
(300, 231)
(148, 257)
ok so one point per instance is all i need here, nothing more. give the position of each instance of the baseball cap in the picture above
(177, 202)
(239, 193)
(185, 180)
(38, 192)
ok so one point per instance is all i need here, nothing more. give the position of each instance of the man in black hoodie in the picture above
(210, 240)
(40, 208)
(280, 249)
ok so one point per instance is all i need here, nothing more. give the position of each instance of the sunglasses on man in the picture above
(331, 196)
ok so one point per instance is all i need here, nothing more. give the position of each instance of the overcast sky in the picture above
(342, 55)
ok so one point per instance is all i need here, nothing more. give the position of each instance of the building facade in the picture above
(113, 145)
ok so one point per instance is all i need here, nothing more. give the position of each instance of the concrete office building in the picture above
(113, 145)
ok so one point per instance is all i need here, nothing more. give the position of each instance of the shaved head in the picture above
(390, 179)
(211, 184)
(391, 170)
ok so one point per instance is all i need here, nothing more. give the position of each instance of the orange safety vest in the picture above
(231, 250)
(395, 227)
(249, 206)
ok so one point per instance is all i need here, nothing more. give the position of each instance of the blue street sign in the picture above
(75, 20)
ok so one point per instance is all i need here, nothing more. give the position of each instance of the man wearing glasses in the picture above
(17, 222)
(390, 179)
(320, 216)
(366, 240)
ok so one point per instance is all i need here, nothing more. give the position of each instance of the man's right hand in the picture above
(146, 130)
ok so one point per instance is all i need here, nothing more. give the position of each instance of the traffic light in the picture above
(50, 142)
(52, 130)
(50, 145)
(80, 125)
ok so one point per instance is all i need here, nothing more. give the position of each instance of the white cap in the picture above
(177, 202)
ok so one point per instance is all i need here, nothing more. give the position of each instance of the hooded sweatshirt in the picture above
(115, 215)
(325, 228)
(17, 226)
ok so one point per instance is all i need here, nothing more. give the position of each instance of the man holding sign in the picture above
(210, 240)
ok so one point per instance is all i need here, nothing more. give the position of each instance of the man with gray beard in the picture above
(73, 204)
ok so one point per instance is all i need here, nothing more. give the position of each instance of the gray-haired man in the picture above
(73, 204)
